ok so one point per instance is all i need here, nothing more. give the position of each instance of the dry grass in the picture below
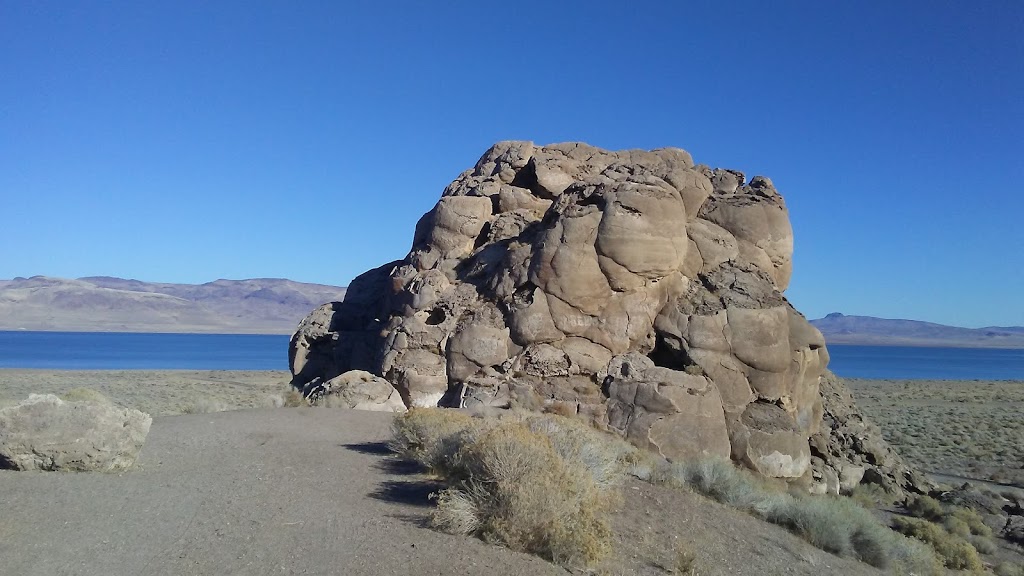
(289, 398)
(156, 392)
(541, 484)
(965, 428)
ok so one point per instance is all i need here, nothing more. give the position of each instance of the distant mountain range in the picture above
(867, 330)
(105, 304)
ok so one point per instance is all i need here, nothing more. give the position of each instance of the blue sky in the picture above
(190, 141)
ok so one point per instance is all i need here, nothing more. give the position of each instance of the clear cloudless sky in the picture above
(188, 141)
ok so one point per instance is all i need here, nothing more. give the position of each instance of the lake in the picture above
(119, 351)
(907, 362)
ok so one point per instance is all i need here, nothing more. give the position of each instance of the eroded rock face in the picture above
(847, 449)
(46, 433)
(635, 288)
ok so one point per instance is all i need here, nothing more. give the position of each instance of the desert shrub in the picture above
(430, 436)
(836, 525)
(956, 526)
(975, 523)
(293, 398)
(84, 395)
(911, 556)
(871, 495)
(534, 483)
(602, 455)
(685, 562)
(510, 485)
(717, 479)
(1008, 569)
(955, 552)
(456, 512)
(206, 406)
(926, 507)
(645, 466)
(982, 544)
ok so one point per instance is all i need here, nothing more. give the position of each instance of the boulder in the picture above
(636, 289)
(358, 390)
(47, 433)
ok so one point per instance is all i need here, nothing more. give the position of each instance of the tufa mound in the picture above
(635, 289)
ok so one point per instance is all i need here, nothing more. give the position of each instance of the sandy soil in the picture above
(311, 491)
(315, 491)
(278, 491)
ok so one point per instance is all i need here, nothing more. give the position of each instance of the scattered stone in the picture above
(47, 433)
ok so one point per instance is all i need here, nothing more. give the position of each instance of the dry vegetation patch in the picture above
(535, 483)
(544, 484)
(964, 428)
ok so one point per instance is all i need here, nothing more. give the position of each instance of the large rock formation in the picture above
(636, 289)
(47, 433)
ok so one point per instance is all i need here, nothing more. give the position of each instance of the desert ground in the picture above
(156, 392)
(954, 429)
(228, 484)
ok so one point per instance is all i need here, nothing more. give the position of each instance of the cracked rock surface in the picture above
(635, 289)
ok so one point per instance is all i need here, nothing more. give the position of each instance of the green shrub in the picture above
(926, 507)
(973, 520)
(911, 556)
(956, 526)
(955, 552)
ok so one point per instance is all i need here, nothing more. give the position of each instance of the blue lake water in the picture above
(906, 362)
(119, 351)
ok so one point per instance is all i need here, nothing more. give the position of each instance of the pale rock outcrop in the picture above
(47, 433)
(357, 390)
(634, 288)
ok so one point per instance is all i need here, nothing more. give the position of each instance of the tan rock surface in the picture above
(548, 268)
